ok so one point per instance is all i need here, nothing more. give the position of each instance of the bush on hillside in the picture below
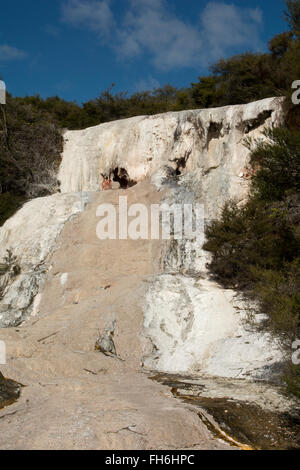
(30, 154)
(278, 164)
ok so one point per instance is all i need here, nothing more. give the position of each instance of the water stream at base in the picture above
(242, 424)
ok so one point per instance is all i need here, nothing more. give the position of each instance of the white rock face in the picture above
(32, 231)
(31, 235)
(144, 145)
(196, 327)
(193, 324)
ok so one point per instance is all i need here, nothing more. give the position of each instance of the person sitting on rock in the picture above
(106, 183)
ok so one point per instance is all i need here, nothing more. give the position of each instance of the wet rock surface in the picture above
(243, 424)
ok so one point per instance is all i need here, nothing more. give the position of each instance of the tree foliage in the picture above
(29, 155)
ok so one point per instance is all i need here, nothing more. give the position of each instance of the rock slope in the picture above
(75, 397)
(169, 315)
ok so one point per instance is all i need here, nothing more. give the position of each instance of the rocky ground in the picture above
(73, 396)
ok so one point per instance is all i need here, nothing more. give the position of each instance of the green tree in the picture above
(280, 44)
(204, 93)
(292, 15)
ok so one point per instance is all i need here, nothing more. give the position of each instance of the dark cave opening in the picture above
(121, 176)
(181, 163)
(214, 131)
(253, 124)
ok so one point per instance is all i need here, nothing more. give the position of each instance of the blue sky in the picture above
(77, 48)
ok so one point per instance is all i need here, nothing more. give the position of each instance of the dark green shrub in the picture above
(258, 235)
(30, 154)
(279, 294)
(9, 204)
(292, 380)
(278, 163)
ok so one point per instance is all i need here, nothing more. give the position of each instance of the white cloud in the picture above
(226, 26)
(93, 14)
(256, 14)
(149, 84)
(52, 30)
(150, 28)
(11, 53)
